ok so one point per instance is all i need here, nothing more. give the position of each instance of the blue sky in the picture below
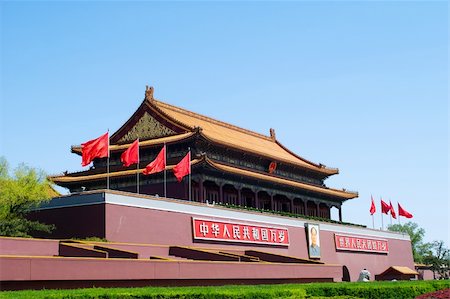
(362, 86)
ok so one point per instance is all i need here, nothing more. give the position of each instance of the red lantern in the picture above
(272, 167)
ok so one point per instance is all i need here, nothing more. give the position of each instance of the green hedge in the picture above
(378, 290)
(222, 292)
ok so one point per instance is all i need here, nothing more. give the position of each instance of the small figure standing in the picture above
(364, 275)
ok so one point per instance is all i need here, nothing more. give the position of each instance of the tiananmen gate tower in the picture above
(230, 165)
(250, 211)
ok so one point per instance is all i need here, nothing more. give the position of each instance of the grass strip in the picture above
(344, 290)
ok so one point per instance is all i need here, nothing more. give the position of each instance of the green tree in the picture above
(19, 193)
(439, 260)
(416, 234)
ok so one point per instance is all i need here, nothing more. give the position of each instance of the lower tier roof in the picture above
(67, 180)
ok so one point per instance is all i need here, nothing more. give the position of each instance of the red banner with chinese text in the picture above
(239, 232)
(353, 243)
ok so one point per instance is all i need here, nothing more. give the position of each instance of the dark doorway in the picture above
(345, 274)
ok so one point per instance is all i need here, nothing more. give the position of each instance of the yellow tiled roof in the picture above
(98, 176)
(404, 270)
(220, 167)
(236, 137)
(156, 141)
(278, 180)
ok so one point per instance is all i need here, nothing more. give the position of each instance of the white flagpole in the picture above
(137, 173)
(382, 224)
(107, 166)
(372, 202)
(390, 212)
(392, 208)
(373, 222)
(165, 176)
(189, 188)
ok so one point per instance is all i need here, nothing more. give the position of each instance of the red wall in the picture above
(121, 217)
(89, 269)
(141, 225)
(73, 222)
(28, 247)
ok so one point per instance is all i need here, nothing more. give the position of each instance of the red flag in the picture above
(183, 168)
(95, 148)
(131, 155)
(373, 209)
(385, 208)
(392, 210)
(157, 165)
(404, 213)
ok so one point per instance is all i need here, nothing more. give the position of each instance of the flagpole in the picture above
(137, 173)
(107, 166)
(382, 224)
(165, 176)
(189, 188)
(373, 209)
(391, 216)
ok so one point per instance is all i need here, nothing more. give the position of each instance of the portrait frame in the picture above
(313, 236)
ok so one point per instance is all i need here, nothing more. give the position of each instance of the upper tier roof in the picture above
(236, 137)
(219, 132)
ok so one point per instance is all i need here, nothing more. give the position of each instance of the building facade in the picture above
(230, 165)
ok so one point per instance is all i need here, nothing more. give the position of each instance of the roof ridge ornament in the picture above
(149, 93)
(198, 129)
(272, 134)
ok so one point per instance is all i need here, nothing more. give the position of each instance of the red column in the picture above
(272, 206)
(200, 190)
(239, 196)
(221, 193)
(256, 200)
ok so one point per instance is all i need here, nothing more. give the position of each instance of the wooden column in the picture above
(186, 188)
(200, 190)
(340, 213)
(305, 204)
(272, 206)
(239, 199)
(256, 199)
(292, 205)
(318, 209)
(221, 193)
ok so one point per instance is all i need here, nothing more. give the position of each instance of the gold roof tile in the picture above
(98, 176)
(220, 167)
(150, 142)
(283, 181)
(404, 270)
(240, 138)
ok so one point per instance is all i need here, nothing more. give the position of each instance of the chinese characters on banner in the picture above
(237, 232)
(352, 243)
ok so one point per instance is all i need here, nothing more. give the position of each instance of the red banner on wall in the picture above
(353, 243)
(238, 232)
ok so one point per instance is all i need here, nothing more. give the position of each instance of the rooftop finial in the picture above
(149, 92)
(272, 134)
